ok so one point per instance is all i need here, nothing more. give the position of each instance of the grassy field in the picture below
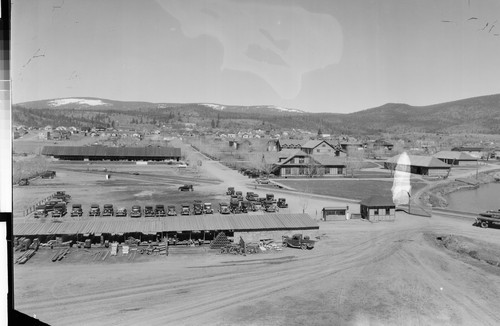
(345, 188)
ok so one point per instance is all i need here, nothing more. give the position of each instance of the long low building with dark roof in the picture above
(249, 226)
(99, 153)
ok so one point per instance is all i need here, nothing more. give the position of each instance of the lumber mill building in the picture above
(250, 227)
(101, 153)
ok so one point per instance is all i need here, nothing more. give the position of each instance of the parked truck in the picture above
(108, 210)
(171, 210)
(76, 210)
(59, 210)
(160, 211)
(149, 211)
(207, 208)
(185, 209)
(224, 208)
(136, 211)
(234, 206)
(40, 211)
(197, 207)
(95, 210)
(298, 241)
(121, 212)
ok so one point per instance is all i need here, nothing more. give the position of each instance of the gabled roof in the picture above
(377, 201)
(315, 143)
(468, 149)
(111, 151)
(423, 161)
(453, 155)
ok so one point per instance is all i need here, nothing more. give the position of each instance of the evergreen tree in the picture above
(213, 123)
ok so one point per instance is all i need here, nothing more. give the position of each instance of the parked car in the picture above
(256, 206)
(122, 212)
(186, 188)
(108, 210)
(95, 210)
(270, 207)
(171, 210)
(245, 206)
(160, 210)
(197, 207)
(62, 195)
(40, 211)
(136, 211)
(270, 197)
(185, 209)
(207, 208)
(297, 241)
(250, 195)
(224, 208)
(59, 210)
(230, 191)
(149, 211)
(76, 210)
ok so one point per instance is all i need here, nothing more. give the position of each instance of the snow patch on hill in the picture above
(214, 106)
(279, 108)
(81, 101)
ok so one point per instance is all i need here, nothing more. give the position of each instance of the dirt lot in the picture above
(359, 273)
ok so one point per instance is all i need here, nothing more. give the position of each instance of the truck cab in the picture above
(298, 241)
(160, 210)
(171, 210)
(94, 210)
(76, 210)
(224, 208)
(185, 209)
(136, 211)
(59, 210)
(207, 208)
(197, 207)
(149, 211)
(108, 210)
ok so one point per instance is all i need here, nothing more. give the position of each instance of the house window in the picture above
(288, 171)
(301, 171)
(317, 150)
(301, 160)
(327, 170)
(387, 211)
(340, 171)
(375, 211)
(323, 145)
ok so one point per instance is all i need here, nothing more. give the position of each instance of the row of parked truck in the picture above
(253, 202)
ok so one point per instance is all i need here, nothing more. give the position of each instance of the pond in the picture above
(486, 197)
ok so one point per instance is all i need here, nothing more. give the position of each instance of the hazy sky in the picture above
(319, 56)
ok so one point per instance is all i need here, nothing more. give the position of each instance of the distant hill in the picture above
(473, 115)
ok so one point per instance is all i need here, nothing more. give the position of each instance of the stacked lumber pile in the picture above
(220, 241)
(25, 256)
(59, 255)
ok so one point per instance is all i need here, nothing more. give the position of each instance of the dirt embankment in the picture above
(436, 195)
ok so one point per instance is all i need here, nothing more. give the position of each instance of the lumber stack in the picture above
(25, 256)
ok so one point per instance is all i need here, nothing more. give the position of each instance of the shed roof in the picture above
(111, 151)
(377, 201)
(236, 222)
(424, 161)
(453, 155)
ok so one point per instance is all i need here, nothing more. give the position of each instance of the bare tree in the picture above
(353, 160)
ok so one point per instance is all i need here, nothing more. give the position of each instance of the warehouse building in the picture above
(205, 227)
(423, 165)
(101, 153)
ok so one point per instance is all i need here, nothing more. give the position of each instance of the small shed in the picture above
(378, 208)
(335, 213)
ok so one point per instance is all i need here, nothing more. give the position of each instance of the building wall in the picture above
(255, 237)
(376, 214)
(295, 171)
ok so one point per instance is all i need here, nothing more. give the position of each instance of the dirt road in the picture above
(359, 273)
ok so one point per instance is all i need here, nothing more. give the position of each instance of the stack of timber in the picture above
(58, 256)
(25, 256)
(220, 241)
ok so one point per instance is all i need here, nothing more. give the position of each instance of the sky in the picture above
(315, 55)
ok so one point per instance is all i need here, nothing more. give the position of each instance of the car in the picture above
(40, 211)
(186, 188)
(245, 206)
(122, 212)
(136, 211)
(49, 206)
(197, 207)
(256, 206)
(270, 207)
(95, 210)
(282, 203)
(298, 241)
(149, 211)
(76, 210)
(230, 191)
(108, 210)
(62, 195)
(263, 181)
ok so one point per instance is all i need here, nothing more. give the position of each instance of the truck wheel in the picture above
(303, 246)
(484, 224)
